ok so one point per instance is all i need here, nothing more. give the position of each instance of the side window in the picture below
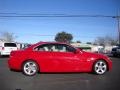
(45, 47)
(55, 48)
(64, 48)
(70, 49)
(61, 48)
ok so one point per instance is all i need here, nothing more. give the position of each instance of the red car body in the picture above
(49, 61)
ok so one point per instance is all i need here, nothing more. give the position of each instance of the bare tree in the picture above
(107, 40)
(7, 36)
(99, 41)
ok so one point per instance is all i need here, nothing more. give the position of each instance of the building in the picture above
(83, 46)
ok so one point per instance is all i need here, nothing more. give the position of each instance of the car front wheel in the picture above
(30, 68)
(100, 67)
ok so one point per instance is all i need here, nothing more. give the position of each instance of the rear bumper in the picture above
(14, 63)
(5, 53)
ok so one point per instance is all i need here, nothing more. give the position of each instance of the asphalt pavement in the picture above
(11, 80)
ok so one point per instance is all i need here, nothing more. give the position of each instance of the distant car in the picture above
(57, 57)
(116, 51)
(6, 48)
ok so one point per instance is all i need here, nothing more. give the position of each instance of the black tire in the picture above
(30, 68)
(0, 55)
(100, 67)
(115, 55)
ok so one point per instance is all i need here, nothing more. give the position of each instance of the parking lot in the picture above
(11, 80)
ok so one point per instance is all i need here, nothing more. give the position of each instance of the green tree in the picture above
(88, 42)
(63, 37)
(78, 41)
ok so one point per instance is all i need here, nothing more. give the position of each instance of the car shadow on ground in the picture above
(56, 72)
(4, 56)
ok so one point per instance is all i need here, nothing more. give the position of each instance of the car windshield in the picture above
(10, 45)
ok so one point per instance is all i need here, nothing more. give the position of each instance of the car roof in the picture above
(49, 43)
(40, 43)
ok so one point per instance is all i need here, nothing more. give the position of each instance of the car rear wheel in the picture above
(100, 67)
(30, 68)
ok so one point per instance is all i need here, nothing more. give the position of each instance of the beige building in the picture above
(93, 48)
(83, 46)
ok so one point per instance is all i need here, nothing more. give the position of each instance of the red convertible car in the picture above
(57, 57)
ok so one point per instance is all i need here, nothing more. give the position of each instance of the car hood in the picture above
(91, 55)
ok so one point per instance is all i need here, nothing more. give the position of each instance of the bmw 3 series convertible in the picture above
(57, 57)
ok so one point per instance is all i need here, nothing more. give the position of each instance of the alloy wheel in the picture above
(30, 68)
(100, 67)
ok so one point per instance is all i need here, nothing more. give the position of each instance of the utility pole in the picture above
(118, 26)
(118, 20)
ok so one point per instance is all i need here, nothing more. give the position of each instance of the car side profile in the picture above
(57, 57)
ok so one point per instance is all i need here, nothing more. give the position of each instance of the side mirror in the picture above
(77, 51)
(79, 48)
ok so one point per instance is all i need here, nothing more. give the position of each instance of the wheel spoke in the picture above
(97, 70)
(102, 71)
(28, 64)
(29, 71)
(101, 63)
(96, 65)
(104, 66)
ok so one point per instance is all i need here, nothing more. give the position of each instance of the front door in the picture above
(65, 58)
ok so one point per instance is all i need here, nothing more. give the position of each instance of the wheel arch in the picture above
(102, 60)
(30, 60)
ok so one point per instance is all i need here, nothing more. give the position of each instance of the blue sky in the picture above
(30, 30)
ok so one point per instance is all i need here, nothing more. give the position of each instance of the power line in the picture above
(8, 13)
(49, 15)
(52, 35)
(54, 16)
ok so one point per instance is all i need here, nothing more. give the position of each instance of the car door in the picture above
(68, 59)
(46, 58)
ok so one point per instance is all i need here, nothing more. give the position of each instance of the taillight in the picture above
(3, 48)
